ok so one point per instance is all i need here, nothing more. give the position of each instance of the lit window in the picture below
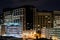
(49, 21)
(38, 25)
(46, 16)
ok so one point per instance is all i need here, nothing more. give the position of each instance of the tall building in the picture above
(13, 21)
(30, 11)
(43, 19)
(18, 19)
(55, 31)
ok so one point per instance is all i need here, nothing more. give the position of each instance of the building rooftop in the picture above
(25, 6)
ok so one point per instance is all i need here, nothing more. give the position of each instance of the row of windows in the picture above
(44, 21)
(57, 17)
(55, 30)
(18, 13)
(17, 10)
(57, 22)
(14, 12)
(15, 21)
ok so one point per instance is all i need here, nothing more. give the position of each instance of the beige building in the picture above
(43, 19)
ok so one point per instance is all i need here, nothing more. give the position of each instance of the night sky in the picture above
(39, 4)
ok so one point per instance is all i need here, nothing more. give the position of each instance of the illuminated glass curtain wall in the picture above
(13, 21)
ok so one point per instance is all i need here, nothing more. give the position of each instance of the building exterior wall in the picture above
(13, 20)
(34, 18)
(43, 19)
(55, 31)
(56, 19)
(30, 13)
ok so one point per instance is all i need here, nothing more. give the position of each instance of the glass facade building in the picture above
(13, 22)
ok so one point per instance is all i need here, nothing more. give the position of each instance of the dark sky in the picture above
(40, 4)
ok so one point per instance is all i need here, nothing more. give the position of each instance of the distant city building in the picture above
(56, 19)
(55, 31)
(18, 19)
(30, 11)
(28, 17)
(43, 19)
(13, 21)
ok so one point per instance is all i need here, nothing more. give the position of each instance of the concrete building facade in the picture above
(43, 19)
(55, 31)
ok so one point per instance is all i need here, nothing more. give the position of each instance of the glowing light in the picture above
(54, 38)
(9, 24)
(38, 25)
(43, 36)
(30, 34)
(34, 32)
